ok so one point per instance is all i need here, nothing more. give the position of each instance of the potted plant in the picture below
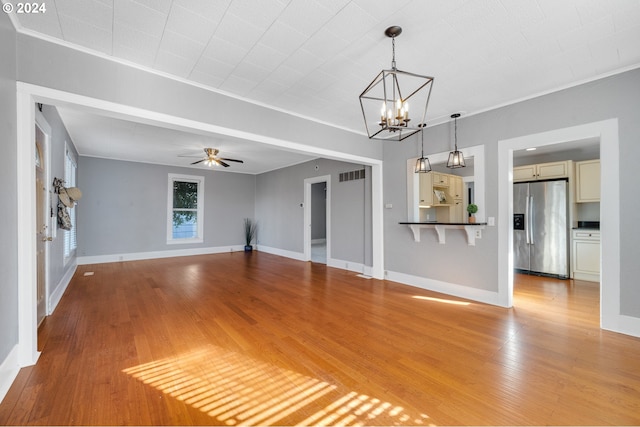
(250, 229)
(472, 208)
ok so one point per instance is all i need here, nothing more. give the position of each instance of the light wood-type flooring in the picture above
(246, 339)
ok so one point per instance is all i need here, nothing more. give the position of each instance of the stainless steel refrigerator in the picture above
(541, 228)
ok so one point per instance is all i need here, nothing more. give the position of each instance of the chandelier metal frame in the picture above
(385, 101)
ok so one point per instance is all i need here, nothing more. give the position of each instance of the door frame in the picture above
(607, 132)
(308, 182)
(28, 94)
(41, 122)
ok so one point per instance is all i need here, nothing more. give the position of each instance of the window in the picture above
(185, 216)
(70, 171)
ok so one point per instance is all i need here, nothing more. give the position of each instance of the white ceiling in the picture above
(314, 57)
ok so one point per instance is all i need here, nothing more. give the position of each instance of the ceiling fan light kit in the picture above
(212, 159)
(385, 102)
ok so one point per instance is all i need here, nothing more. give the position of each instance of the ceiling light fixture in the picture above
(456, 158)
(423, 165)
(385, 102)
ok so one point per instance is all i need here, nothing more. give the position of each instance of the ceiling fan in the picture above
(213, 159)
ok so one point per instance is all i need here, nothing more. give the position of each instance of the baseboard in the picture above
(318, 241)
(136, 256)
(623, 324)
(282, 252)
(349, 266)
(57, 293)
(473, 294)
(9, 369)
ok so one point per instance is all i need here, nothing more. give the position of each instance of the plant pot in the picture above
(248, 248)
(472, 219)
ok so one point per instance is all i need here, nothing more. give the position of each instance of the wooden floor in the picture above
(245, 339)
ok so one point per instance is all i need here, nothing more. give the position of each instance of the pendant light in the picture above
(385, 101)
(423, 165)
(456, 158)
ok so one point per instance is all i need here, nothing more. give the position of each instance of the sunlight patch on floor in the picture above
(239, 390)
(442, 300)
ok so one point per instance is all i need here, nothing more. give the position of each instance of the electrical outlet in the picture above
(478, 234)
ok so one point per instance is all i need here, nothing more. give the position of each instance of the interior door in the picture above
(42, 228)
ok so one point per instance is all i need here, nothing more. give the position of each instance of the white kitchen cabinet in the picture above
(426, 190)
(585, 255)
(541, 171)
(588, 181)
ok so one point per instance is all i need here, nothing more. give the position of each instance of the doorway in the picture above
(607, 133)
(317, 215)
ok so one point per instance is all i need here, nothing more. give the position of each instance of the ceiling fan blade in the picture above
(221, 163)
(232, 160)
(199, 161)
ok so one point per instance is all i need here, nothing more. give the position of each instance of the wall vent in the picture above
(352, 175)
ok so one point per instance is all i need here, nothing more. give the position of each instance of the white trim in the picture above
(607, 132)
(28, 94)
(137, 256)
(479, 174)
(27, 265)
(461, 291)
(433, 122)
(282, 252)
(308, 182)
(356, 267)
(9, 369)
(57, 293)
(172, 177)
(377, 222)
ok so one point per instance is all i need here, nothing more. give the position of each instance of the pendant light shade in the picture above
(423, 165)
(385, 102)
(456, 158)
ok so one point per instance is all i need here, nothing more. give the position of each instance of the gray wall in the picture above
(124, 207)
(8, 176)
(59, 136)
(318, 211)
(613, 97)
(280, 193)
(77, 72)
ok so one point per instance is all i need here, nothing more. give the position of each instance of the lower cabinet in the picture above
(586, 255)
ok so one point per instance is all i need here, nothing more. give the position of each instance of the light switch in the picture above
(491, 221)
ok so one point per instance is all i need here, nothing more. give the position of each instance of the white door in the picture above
(42, 223)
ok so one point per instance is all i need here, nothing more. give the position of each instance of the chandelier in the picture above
(385, 102)
(456, 159)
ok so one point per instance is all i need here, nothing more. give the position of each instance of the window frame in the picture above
(199, 180)
(70, 239)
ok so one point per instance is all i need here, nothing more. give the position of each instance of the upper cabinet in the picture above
(588, 181)
(541, 171)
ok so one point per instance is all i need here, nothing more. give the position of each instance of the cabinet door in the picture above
(524, 173)
(457, 212)
(552, 170)
(426, 189)
(440, 180)
(457, 187)
(588, 181)
(586, 257)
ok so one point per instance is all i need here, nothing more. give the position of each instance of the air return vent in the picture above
(352, 175)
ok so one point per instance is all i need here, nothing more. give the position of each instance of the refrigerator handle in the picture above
(526, 221)
(531, 221)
